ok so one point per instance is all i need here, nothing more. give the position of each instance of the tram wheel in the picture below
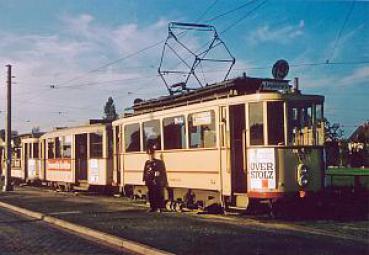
(178, 206)
(168, 205)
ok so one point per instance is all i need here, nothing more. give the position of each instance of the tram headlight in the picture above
(304, 181)
(302, 175)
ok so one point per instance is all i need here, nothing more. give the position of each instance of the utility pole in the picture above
(8, 133)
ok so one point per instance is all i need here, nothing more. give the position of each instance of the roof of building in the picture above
(361, 134)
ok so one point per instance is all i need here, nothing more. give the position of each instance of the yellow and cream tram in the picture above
(228, 143)
(31, 163)
(17, 174)
(78, 157)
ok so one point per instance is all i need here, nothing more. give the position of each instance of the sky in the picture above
(69, 56)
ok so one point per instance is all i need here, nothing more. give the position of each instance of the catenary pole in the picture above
(8, 132)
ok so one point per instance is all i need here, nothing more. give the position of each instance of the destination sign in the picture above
(275, 85)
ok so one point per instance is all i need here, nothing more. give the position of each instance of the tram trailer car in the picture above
(31, 163)
(78, 158)
(241, 140)
(25, 149)
(17, 174)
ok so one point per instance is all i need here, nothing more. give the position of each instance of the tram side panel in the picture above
(89, 160)
(196, 171)
(59, 170)
(289, 162)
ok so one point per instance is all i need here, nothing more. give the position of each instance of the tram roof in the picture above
(233, 87)
(91, 124)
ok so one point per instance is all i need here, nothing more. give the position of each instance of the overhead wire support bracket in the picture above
(174, 44)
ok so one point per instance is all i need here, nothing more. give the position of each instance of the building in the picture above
(358, 146)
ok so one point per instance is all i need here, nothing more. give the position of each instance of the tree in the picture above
(109, 110)
(35, 130)
(333, 132)
(333, 143)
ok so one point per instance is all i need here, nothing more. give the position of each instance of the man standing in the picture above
(154, 178)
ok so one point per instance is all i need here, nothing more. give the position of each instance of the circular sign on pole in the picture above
(280, 69)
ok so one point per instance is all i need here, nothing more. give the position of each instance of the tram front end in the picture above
(284, 151)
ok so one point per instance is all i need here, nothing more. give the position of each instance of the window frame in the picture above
(264, 118)
(283, 122)
(90, 145)
(64, 144)
(50, 141)
(185, 145)
(159, 121)
(315, 127)
(216, 129)
(124, 140)
(35, 150)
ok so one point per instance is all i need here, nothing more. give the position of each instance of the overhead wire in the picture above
(244, 17)
(130, 55)
(230, 11)
(339, 34)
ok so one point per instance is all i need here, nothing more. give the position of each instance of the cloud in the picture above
(336, 48)
(355, 77)
(281, 35)
(359, 75)
(80, 45)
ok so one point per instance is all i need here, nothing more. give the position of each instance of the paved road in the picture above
(20, 235)
(190, 233)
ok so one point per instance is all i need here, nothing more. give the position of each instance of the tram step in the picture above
(236, 208)
(82, 186)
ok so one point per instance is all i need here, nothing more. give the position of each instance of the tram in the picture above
(230, 143)
(17, 174)
(77, 158)
(25, 164)
(31, 162)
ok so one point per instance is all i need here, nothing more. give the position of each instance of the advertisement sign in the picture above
(31, 167)
(59, 164)
(94, 171)
(262, 168)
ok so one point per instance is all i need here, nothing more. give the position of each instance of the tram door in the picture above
(81, 157)
(237, 128)
(25, 157)
(44, 156)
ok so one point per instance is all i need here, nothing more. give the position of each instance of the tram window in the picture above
(67, 141)
(58, 147)
(50, 149)
(132, 137)
(35, 150)
(201, 126)
(300, 128)
(319, 124)
(117, 140)
(275, 123)
(109, 134)
(319, 113)
(16, 153)
(96, 145)
(152, 132)
(256, 123)
(174, 133)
